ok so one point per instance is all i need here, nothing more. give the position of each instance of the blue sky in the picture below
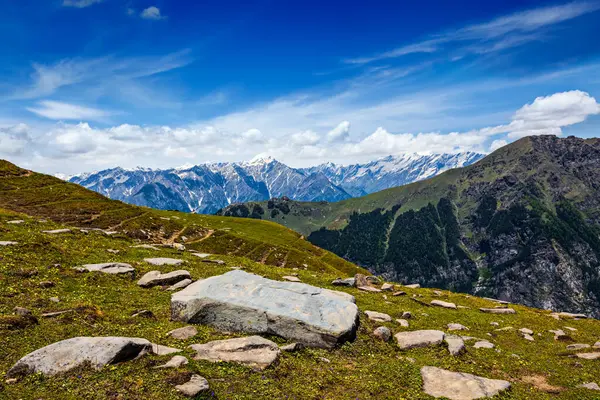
(91, 84)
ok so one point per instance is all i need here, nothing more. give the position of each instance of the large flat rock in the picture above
(71, 353)
(108, 268)
(155, 278)
(423, 338)
(242, 302)
(254, 351)
(439, 382)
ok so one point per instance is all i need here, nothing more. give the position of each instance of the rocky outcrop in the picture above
(68, 354)
(241, 302)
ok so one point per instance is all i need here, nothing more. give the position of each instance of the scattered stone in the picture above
(108, 268)
(181, 284)
(46, 284)
(443, 304)
(15, 222)
(526, 331)
(163, 261)
(496, 300)
(369, 289)
(161, 350)
(292, 347)
(399, 293)
(407, 315)
(438, 382)
(596, 345)
(291, 278)
(456, 327)
(201, 255)
(143, 314)
(113, 251)
(483, 344)
(403, 323)
(242, 302)
(494, 324)
(175, 362)
(578, 346)
(377, 316)
(382, 333)
(387, 287)
(55, 314)
(110, 233)
(57, 231)
(528, 337)
(589, 356)
(591, 386)
(497, 310)
(423, 338)
(253, 351)
(71, 353)
(567, 315)
(360, 280)
(7, 243)
(54, 299)
(570, 329)
(456, 344)
(178, 246)
(325, 360)
(413, 286)
(348, 282)
(437, 292)
(194, 386)
(154, 278)
(145, 246)
(218, 262)
(184, 333)
(22, 311)
(559, 334)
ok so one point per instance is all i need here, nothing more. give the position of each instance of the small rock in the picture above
(456, 344)
(114, 268)
(438, 382)
(325, 360)
(161, 350)
(145, 246)
(22, 311)
(456, 327)
(413, 286)
(113, 251)
(57, 231)
(578, 346)
(15, 222)
(591, 386)
(163, 261)
(201, 255)
(54, 299)
(387, 287)
(369, 289)
(46, 284)
(292, 347)
(422, 338)
(399, 293)
(377, 316)
(218, 262)
(143, 314)
(7, 243)
(567, 315)
(494, 324)
(528, 337)
(360, 280)
(175, 362)
(194, 386)
(382, 333)
(154, 278)
(403, 323)
(570, 329)
(291, 278)
(253, 351)
(497, 310)
(596, 345)
(526, 331)
(407, 315)
(178, 246)
(589, 356)
(558, 334)
(181, 284)
(55, 314)
(443, 304)
(184, 333)
(348, 282)
(483, 344)
(437, 292)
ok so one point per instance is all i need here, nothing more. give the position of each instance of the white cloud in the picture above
(305, 138)
(496, 144)
(498, 34)
(152, 13)
(14, 139)
(80, 3)
(339, 133)
(63, 111)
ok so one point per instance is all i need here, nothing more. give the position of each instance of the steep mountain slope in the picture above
(45, 299)
(522, 225)
(209, 187)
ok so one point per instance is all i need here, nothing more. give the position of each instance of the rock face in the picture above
(154, 278)
(414, 339)
(254, 351)
(108, 268)
(438, 382)
(241, 302)
(71, 353)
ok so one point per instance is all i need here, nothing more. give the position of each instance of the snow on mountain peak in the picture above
(261, 159)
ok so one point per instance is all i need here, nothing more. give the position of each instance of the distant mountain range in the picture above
(207, 188)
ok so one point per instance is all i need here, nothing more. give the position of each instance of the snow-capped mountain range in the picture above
(206, 188)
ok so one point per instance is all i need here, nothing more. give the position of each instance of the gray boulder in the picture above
(497, 310)
(423, 338)
(108, 268)
(175, 362)
(155, 278)
(194, 386)
(184, 333)
(439, 382)
(71, 353)
(163, 261)
(382, 333)
(57, 231)
(253, 351)
(348, 282)
(181, 284)
(443, 304)
(241, 302)
(456, 344)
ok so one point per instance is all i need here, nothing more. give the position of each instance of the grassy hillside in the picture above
(102, 305)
